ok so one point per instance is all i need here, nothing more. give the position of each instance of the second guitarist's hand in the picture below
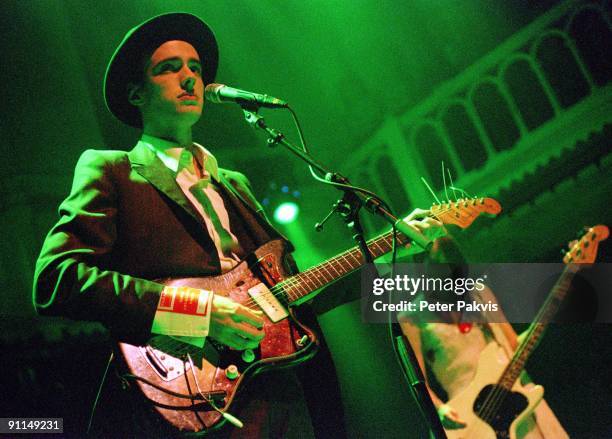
(449, 417)
(235, 325)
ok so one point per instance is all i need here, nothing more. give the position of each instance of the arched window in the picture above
(494, 112)
(561, 70)
(594, 42)
(528, 93)
(464, 137)
(433, 152)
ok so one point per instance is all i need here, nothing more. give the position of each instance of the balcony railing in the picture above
(537, 94)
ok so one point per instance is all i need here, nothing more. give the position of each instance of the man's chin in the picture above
(190, 111)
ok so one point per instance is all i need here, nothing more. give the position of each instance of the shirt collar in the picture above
(169, 153)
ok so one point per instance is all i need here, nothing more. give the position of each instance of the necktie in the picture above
(204, 194)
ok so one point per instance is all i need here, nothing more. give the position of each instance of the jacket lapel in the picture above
(252, 206)
(145, 162)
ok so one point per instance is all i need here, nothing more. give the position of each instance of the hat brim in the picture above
(125, 65)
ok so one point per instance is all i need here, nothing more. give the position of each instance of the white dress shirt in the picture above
(198, 180)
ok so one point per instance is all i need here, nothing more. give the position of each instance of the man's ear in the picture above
(135, 94)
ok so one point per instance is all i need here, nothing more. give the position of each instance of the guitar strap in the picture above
(501, 339)
(489, 317)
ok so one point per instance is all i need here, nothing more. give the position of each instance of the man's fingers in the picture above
(251, 316)
(426, 223)
(450, 417)
(236, 341)
(248, 331)
(417, 214)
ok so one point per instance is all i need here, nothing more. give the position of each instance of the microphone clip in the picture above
(254, 119)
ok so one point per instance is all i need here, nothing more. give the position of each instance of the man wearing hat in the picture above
(162, 210)
(166, 210)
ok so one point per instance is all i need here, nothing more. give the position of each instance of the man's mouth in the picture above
(187, 96)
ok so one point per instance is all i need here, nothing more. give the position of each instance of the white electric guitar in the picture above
(495, 402)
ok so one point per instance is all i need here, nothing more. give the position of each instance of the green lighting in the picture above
(286, 213)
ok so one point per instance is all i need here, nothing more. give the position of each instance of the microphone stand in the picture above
(348, 207)
(373, 204)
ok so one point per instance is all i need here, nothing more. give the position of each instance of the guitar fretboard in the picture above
(304, 283)
(536, 329)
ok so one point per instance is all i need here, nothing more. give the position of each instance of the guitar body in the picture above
(516, 406)
(499, 416)
(163, 365)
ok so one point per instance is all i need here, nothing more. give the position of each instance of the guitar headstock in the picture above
(464, 211)
(584, 250)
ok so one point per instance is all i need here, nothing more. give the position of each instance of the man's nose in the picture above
(188, 83)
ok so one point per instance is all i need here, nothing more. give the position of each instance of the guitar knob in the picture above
(248, 355)
(231, 372)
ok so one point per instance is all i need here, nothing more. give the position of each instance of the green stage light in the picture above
(286, 213)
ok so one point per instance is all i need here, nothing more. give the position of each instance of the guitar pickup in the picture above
(268, 302)
(161, 361)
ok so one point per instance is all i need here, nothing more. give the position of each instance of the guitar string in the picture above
(299, 278)
(496, 397)
(303, 278)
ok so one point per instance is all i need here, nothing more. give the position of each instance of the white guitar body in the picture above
(493, 361)
(496, 415)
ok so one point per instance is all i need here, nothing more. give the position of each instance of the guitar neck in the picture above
(460, 212)
(536, 329)
(302, 284)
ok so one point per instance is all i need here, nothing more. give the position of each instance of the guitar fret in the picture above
(290, 293)
(308, 282)
(325, 274)
(319, 277)
(338, 266)
(328, 273)
(344, 263)
(356, 256)
(377, 245)
(300, 286)
(547, 311)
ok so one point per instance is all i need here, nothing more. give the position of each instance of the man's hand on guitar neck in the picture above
(421, 220)
(235, 325)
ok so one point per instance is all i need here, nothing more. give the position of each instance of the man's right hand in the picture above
(234, 324)
(449, 417)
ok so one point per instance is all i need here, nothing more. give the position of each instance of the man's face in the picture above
(173, 91)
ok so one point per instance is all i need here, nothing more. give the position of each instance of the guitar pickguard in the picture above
(509, 406)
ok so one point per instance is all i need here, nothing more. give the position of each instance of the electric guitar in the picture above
(495, 402)
(193, 388)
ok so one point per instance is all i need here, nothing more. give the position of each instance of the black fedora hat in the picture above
(125, 65)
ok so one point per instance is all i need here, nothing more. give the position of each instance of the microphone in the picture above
(220, 93)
